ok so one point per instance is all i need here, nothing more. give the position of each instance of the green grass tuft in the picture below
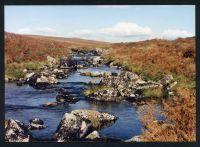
(153, 92)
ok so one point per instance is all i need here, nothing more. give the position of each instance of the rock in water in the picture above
(69, 128)
(50, 104)
(61, 98)
(81, 124)
(66, 99)
(63, 91)
(97, 119)
(36, 123)
(15, 131)
(20, 82)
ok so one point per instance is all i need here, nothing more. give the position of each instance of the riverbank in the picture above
(142, 63)
(152, 60)
(53, 102)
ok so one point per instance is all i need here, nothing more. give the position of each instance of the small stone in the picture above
(93, 135)
(134, 139)
(36, 123)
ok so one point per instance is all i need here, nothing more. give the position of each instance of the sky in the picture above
(112, 23)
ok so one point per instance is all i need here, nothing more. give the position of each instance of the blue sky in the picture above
(106, 23)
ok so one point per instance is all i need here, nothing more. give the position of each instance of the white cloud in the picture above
(126, 29)
(122, 31)
(175, 33)
(37, 31)
(113, 6)
(84, 32)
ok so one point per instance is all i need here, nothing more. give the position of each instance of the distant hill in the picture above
(20, 48)
(158, 55)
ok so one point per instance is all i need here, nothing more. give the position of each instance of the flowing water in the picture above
(24, 103)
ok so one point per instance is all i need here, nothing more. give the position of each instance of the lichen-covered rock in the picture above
(66, 99)
(121, 87)
(80, 123)
(15, 131)
(96, 118)
(36, 123)
(51, 61)
(95, 74)
(106, 95)
(69, 128)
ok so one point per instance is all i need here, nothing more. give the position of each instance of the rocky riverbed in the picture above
(78, 98)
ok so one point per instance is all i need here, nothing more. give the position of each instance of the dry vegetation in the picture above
(23, 48)
(152, 59)
(180, 119)
(29, 51)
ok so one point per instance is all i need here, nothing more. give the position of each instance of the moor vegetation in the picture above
(152, 59)
(180, 119)
(30, 51)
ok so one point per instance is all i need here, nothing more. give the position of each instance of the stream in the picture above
(24, 103)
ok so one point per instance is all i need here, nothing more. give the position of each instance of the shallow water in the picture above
(24, 103)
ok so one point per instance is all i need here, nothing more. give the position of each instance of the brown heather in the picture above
(151, 58)
(23, 48)
(180, 119)
(177, 56)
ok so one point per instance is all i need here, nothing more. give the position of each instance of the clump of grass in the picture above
(94, 89)
(15, 70)
(153, 92)
(14, 73)
(94, 120)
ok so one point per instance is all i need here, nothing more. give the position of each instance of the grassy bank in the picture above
(155, 58)
(152, 60)
(30, 51)
(16, 70)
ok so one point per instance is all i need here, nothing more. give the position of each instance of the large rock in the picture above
(15, 131)
(31, 78)
(44, 82)
(69, 128)
(51, 61)
(95, 74)
(106, 95)
(96, 118)
(60, 74)
(81, 124)
(121, 87)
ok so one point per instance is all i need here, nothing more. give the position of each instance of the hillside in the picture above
(150, 58)
(20, 48)
(153, 57)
